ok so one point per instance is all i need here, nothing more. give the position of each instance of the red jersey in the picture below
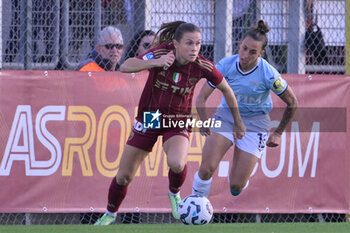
(171, 90)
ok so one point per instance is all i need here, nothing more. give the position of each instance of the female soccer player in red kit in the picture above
(175, 66)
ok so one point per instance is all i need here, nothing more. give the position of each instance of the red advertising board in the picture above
(62, 134)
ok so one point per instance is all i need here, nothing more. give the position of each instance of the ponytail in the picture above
(259, 32)
(173, 30)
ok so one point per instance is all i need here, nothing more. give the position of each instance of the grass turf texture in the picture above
(178, 228)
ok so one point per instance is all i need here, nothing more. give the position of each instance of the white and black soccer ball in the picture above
(195, 210)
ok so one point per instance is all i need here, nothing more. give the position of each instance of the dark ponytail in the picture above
(173, 30)
(259, 32)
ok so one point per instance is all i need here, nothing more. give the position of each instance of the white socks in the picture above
(201, 187)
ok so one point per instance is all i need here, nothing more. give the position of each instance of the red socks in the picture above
(116, 195)
(118, 192)
(176, 180)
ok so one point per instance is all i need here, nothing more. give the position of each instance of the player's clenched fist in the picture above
(167, 59)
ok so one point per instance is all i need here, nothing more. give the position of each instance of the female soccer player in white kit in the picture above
(252, 79)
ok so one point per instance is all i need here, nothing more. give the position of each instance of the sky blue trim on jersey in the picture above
(252, 89)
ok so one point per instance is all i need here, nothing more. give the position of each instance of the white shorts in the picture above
(254, 140)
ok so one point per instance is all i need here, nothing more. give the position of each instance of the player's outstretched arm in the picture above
(134, 64)
(292, 103)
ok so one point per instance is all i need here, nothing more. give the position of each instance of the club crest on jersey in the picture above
(176, 77)
(148, 56)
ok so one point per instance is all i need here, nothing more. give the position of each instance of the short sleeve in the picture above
(274, 80)
(210, 84)
(220, 66)
(215, 77)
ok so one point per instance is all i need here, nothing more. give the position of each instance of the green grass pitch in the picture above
(178, 228)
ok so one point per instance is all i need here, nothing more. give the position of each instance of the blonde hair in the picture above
(109, 31)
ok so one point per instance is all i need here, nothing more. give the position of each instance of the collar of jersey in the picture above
(248, 72)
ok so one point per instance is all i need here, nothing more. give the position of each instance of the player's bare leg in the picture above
(242, 167)
(176, 149)
(214, 149)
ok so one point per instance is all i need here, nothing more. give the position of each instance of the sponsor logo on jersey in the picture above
(255, 83)
(148, 56)
(161, 73)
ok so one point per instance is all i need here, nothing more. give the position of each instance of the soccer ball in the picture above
(195, 210)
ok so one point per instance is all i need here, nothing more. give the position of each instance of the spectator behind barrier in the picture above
(140, 43)
(108, 52)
